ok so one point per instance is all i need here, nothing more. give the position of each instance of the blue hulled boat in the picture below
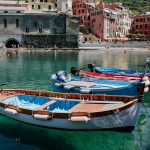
(119, 71)
(76, 84)
(122, 71)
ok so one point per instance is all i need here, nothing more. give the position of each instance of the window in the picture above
(40, 30)
(140, 26)
(5, 23)
(32, 6)
(55, 4)
(45, 1)
(35, 24)
(49, 7)
(146, 26)
(39, 6)
(32, 0)
(17, 23)
(136, 20)
(82, 10)
(5, 11)
(41, 0)
(27, 30)
(136, 26)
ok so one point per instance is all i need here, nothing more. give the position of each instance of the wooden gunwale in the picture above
(69, 95)
(130, 101)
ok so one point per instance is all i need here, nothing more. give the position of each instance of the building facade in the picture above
(106, 21)
(82, 9)
(110, 21)
(42, 5)
(50, 5)
(64, 6)
(39, 30)
(141, 24)
(20, 26)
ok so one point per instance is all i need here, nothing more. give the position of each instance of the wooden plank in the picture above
(81, 83)
(45, 105)
(87, 107)
(84, 107)
(5, 96)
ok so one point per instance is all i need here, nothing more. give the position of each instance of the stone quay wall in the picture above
(39, 30)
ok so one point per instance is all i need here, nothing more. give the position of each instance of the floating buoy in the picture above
(145, 78)
(11, 111)
(80, 119)
(146, 89)
(147, 83)
(42, 117)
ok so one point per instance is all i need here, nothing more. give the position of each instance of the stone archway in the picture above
(12, 43)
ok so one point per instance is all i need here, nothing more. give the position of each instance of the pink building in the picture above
(81, 9)
(110, 21)
(106, 21)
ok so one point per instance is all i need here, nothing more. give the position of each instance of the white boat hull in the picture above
(125, 119)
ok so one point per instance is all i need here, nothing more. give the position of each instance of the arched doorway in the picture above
(12, 43)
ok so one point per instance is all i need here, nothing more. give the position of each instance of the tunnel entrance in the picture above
(12, 43)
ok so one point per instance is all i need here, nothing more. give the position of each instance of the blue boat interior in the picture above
(33, 102)
(26, 101)
(62, 105)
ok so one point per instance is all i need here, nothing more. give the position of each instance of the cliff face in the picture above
(136, 6)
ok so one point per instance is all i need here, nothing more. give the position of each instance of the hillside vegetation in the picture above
(136, 6)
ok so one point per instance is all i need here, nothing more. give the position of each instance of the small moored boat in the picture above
(114, 73)
(109, 76)
(120, 71)
(71, 111)
(76, 84)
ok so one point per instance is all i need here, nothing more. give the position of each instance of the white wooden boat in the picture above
(71, 111)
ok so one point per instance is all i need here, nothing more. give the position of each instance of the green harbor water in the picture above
(31, 70)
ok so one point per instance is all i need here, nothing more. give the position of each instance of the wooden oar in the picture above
(89, 101)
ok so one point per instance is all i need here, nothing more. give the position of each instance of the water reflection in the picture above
(142, 131)
(30, 70)
(42, 138)
(117, 59)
